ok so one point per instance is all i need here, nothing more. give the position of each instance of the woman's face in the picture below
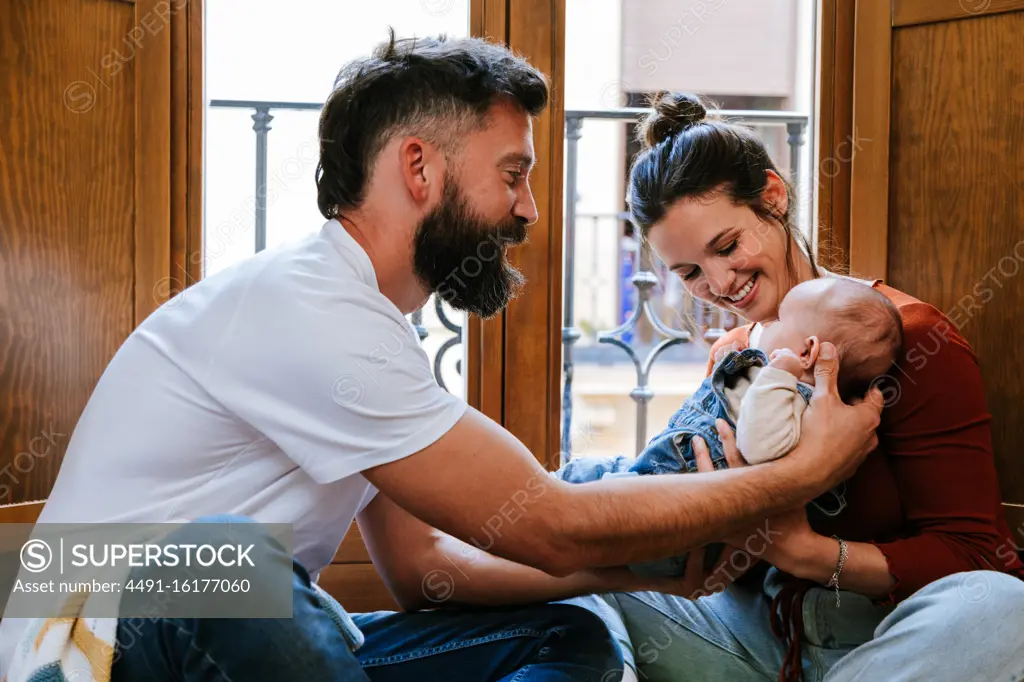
(725, 254)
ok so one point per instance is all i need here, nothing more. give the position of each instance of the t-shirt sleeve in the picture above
(337, 380)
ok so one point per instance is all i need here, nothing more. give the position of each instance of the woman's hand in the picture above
(784, 540)
(835, 437)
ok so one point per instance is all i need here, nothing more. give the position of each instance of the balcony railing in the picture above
(710, 323)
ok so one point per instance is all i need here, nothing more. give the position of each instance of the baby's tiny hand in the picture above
(786, 360)
(725, 350)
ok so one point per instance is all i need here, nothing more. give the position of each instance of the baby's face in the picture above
(799, 321)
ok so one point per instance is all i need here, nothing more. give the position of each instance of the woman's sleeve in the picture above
(936, 434)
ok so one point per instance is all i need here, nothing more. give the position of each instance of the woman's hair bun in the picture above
(673, 113)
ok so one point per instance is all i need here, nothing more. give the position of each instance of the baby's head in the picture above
(862, 323)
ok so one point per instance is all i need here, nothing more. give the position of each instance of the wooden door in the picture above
(515, 359)
(93, 170)
(935, 197)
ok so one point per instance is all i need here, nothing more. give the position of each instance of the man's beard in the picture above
(462, 257)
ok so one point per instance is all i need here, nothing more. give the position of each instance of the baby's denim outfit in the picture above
(671, 451)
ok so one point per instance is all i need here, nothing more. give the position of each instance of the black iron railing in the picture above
(712, 322)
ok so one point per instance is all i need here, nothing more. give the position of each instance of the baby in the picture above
(767, 404)
(762, 392)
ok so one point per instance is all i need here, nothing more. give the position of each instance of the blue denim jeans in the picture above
(966, 627)
(671, 451)
(544, 643)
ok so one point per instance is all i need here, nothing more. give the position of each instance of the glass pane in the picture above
(282, 58)
(648, 46)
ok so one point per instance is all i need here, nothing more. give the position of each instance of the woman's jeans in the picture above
(966, 627)
(545, 643)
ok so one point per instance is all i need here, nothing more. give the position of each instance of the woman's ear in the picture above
(809, 354)
(774, 196)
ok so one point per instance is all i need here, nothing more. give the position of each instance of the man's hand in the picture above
(836, 437)
(734, 562)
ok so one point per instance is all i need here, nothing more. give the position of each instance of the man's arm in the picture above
(424, 568)
(479, 484)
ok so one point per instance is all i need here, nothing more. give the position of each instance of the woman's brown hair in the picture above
(686, 155)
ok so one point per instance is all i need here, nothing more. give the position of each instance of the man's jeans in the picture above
(671, 451)
(547, 643)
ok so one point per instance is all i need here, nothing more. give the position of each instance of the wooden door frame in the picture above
(853, 156)
(169, 151)
(485, 339)
(189, 107)
(837, 143)
(515, 360)
(869, 168)
(152, 151)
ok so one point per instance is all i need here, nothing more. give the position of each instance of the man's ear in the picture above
(809, 354)
(422, 169)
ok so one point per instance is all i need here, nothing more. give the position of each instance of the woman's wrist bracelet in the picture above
(840, 562)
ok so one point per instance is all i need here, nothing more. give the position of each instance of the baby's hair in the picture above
(868, 333)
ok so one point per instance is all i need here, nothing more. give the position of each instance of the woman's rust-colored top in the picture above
(928, 497)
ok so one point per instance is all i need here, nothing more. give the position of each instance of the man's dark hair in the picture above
(439, 89)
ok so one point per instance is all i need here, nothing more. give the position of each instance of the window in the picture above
(747, 56)
(268, 70)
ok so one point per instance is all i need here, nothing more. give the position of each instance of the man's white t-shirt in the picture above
(263, 390)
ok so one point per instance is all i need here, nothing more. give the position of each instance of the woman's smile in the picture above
(746, 294)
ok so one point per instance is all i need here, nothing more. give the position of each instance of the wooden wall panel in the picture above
(357, 587)
(911, 12)
(100, 144)
(352, 549)
(22, 512)
(67, 197)
(956, 229)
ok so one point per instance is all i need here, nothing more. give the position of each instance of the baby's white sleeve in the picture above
(768, 425)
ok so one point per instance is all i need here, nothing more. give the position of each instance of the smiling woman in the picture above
(737, 225)
(914, 542)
